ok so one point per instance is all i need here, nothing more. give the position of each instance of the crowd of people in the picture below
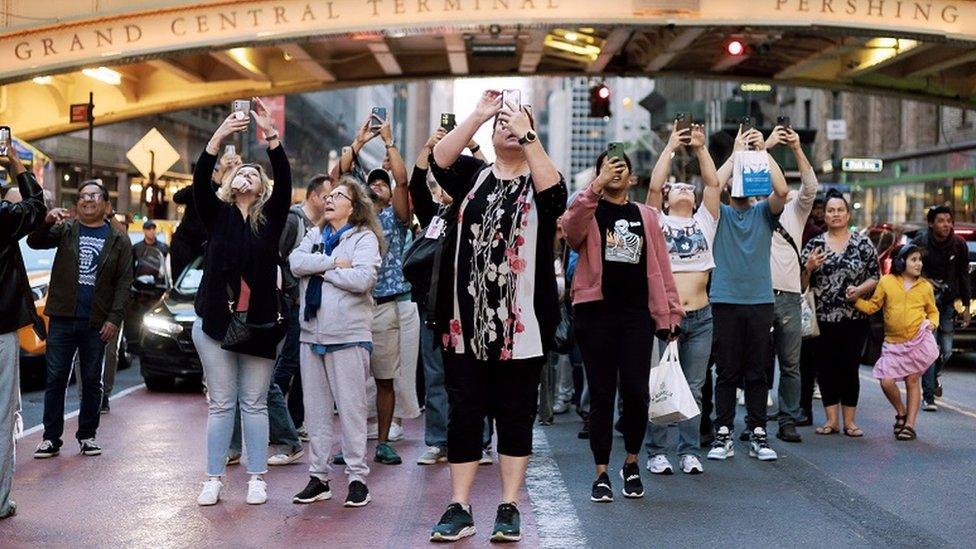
(519, 301)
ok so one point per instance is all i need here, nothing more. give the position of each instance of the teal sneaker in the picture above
(338, 459)
(455, 523)
(386, 455)
(507, 524)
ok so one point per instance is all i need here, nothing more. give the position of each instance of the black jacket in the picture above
(946, 262)
(234, 251)
(16, 220)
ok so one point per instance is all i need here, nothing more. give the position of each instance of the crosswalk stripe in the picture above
(554, 513)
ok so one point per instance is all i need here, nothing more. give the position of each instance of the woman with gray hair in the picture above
(244, 220)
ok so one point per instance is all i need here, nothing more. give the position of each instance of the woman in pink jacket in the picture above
(623, 292)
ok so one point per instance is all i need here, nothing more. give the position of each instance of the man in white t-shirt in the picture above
(689, 234)
(785, 269)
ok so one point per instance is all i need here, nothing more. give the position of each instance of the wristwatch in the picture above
(271, 136)
(391, 144)
(529, 137)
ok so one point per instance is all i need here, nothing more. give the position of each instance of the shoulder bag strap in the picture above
(781, 230)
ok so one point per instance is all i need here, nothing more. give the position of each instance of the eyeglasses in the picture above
(683, 187)
(91, 196)
(335, 195)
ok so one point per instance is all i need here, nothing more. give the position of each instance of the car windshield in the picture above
(190, 281)
(137, 237)
(36, 260)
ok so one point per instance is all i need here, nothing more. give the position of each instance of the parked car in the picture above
(166, 351)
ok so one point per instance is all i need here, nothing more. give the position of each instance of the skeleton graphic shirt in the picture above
(624, 254)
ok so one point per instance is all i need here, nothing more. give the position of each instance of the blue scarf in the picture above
(313, 292)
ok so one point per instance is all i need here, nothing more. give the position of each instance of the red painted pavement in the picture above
(142, 492)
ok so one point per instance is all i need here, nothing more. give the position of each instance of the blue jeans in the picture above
(281, 429)
(435, 401)
(944, 338)
(65, 336)
(694, 348)
(287, 375)
(787, 337)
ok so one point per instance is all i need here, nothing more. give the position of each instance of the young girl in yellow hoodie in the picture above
(910, 317)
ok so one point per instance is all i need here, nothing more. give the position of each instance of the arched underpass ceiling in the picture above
(181, 54)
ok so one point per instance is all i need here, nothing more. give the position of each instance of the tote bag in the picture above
(671, 398)
(751, 174)
(808, 315)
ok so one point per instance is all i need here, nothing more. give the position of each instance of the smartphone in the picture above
(513, 98)
(4, 140)
(230, 150)
(747, 125)
(615, 149)
(242, 106)
(783, 121)
(682, 121)
(448, 121)
(377, 117)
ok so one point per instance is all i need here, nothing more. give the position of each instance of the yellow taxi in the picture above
(38, 264)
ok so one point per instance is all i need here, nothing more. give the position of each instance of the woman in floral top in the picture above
(497, 305)
(840, 267)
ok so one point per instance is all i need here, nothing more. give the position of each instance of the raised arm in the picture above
(544, 172)
(401, 194)
(450, 147)
(741, 143)
(777, 198)
(579, 215)
(662, 168)
(712, 193)
(203, 193)
(17, 220)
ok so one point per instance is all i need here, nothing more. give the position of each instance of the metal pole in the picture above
(91, 134)
(835, 158)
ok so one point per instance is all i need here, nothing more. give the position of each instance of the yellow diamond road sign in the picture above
(141, 154)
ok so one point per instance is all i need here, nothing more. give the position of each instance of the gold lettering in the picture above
(307, 14)
(950, 17)
(898, 9)
(280, 15)
(925, 13)
(23, 51)
(827, 5)
(452, 5)
(202, 25)
(100, 36)
(500, 2)
(526, 4)
(128, 33)
(871, 7)
(398, 7)
(803, 5)
(48, 47)
(228, 21)
(375, 10)
(851, 8)
(76, 42)
(422, 6)
(172, 26)
(254, 15)
(779, 4)
(332, 15)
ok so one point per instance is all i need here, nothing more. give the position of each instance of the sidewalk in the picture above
(142, 492)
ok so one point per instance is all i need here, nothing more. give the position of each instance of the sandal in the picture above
(906, 433)
(900, 423)
(853, 432)
(827, 429)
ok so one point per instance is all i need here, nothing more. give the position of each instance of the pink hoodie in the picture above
(583, 235)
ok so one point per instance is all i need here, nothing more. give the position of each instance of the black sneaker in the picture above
(455, 523)
(11, 509)
(105, 407)
(507, 523)
(47, 449)
(602, 491)
(358, 495)
(584, 432)
(89, 447)
(745, 435)
(315, 490)
(938, 387)
(787, 433)
(633, 487)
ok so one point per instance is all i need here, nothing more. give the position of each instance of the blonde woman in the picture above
(244, 220)
(337, 264)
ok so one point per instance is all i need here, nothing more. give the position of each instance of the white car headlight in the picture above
(161, 325)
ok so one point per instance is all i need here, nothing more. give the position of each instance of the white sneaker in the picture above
(659, 465)
(285, 459)
(722, 447)
(560, 407)
(210, 493)
(372, 430)
(396, 432)
(690, 465)
(486, 457)
(816, 391)
(759, 446)
(233, 458)
(433, 455)
(740, 397)
(930, 406)
(257, 492)
(769, 400)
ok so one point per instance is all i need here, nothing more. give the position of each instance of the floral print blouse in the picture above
(854, 266)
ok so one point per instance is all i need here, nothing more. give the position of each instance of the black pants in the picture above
(615, 343)
(742, 356)
(838, 356)
(506, 390)
(65, 337)
(808, 375)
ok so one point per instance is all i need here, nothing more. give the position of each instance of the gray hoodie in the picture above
(346, 312)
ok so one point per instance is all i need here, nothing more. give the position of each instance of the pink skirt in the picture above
(900, 360)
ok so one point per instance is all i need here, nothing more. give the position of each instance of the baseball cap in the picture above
(149, 224)
(379, 174)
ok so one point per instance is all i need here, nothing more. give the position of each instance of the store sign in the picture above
(837, 129)
(79, 113)
(867, 165)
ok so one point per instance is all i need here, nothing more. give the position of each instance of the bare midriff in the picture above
(692, 289)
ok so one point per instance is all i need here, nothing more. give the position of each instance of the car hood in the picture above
(178, 306)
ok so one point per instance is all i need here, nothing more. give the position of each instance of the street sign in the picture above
(871, 165)
(79, 113)
(837, 129)
(152, 144)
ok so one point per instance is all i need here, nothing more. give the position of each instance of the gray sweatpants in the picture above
(337, 378)
(9, 412)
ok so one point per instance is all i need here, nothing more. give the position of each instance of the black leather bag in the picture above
(260, 340)
(421, 265)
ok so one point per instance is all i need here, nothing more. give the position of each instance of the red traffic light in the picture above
(603, 92)
(735, 48)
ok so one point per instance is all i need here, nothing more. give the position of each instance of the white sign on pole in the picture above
(837, 129)
(153, 143)
(872, 165)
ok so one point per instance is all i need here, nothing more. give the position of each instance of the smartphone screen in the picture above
(615, 149)
(377, 118)
(230, 150)
(448, 121)
(4, 140)
(512, 98)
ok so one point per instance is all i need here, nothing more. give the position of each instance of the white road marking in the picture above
(948, 404)
(70, 415)
(555, 515)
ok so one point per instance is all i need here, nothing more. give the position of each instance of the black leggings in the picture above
(742, 356)
(615, 342)
(838, 355)
(507, 391)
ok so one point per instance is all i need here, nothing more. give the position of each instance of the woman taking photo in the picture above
(689, 233)
(337, 263)
(840, 266)
(244, 220)
(497, 307)
(623, 291)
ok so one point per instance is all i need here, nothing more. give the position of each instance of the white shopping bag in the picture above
(751, 175)
(671, 398)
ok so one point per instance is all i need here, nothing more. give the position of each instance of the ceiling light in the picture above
(571, 36)
(241, 55)
(104, 74)
(588, 51)
(43, 80)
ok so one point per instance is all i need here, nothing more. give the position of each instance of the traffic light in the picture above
(600, 101)
(735, 48)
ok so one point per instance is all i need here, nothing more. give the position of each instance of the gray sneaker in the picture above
(433, 455)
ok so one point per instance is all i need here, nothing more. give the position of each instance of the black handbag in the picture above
(421, 265)
(260, 340)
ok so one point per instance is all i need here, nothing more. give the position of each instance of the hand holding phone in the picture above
(376, 118)
(4, 140)
(682, 121)
(448, 121)
(512, 100)
(230, 150)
